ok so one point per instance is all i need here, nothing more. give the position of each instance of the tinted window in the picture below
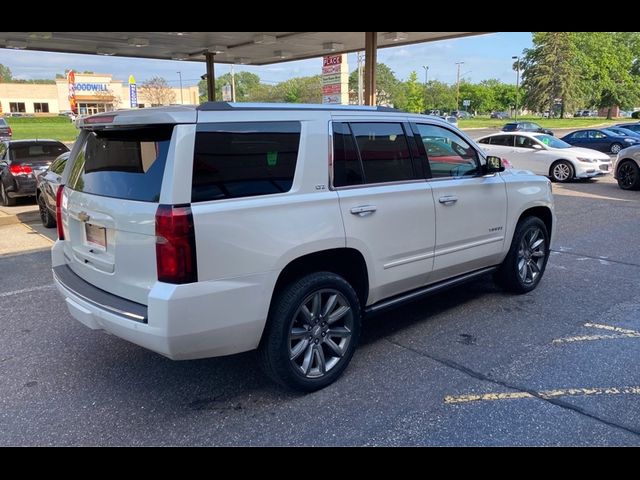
(484, 140)
(524, 142)
(384, 152)
(504, 140)
(582, 134)
(596, 134)
(510, 127)
(125, 164)
(244, 159)
(3, 122)
(58, 165)
(448, 154)
(36, 151)
(347, 169)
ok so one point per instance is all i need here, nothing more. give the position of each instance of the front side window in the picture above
(448, 154)
(234, 160)
(384, 152)
(524, 142)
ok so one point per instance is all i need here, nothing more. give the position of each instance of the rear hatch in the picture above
(30, 158)
(109, 203)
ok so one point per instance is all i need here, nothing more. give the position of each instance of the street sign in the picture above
(226, 93)
(466, 103)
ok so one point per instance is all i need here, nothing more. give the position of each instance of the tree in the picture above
(157, 92)
(551, 72)
(5, 74)
(440, 96)
(413, 98)
(300, 90)
(386, 84)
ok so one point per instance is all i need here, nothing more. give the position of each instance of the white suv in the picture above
(198, 232)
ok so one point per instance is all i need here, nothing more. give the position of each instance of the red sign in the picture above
(332, 60)
(331, 89)
(71, 78)
(329, 69)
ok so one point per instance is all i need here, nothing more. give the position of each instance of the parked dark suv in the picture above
(5, 130)
(20, 162)
(525, 127)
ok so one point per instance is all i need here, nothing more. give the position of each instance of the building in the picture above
(94, 93)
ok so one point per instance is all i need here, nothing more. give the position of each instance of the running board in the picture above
(423, 292)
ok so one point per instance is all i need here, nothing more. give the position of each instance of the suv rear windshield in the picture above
(244, 159)
(36, 151)
(126, 163)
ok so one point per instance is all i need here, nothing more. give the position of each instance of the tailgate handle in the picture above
(84, 217)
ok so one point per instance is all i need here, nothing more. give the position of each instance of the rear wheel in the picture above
(6, 200)
(47, 219)
(312, 332)
(561, 171)
(615, 147)
(629, 175)
(526, 261)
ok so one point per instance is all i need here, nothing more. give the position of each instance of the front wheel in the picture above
(615, 147)
(628, 175)
(312, 332)
(524, 265)
(561, 171)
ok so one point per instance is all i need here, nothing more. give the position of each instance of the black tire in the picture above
(5, 199)
(47, 219)
(286, 315)
(508, 275)
(628, 175)
(615, 148)
(561, 171)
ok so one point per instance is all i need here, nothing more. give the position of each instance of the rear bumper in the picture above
(21, 186)
(199, 320)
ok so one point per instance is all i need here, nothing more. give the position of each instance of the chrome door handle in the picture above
(363, 210)
(448, 199)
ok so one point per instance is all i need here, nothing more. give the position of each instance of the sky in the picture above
(484, 57)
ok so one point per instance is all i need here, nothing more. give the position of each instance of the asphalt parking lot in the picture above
(473, 366)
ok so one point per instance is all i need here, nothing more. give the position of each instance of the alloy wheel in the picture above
(627, 175)
(531, 255)
(561, 172)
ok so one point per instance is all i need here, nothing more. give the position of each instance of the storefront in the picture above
(94, 93)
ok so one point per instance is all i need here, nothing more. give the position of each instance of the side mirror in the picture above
(537, 146)
(3, 164)
(494, 165)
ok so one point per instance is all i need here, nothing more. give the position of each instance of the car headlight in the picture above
(630, 140)
(584, 159)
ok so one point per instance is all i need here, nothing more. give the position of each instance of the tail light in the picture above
(18, 169)
(10, 132)
(175, 244)
(59, 212)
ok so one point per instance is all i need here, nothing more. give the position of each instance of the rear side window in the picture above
(503, 140)
(347, 169)
(234, 160)
(36, 151)
(125, 163)
(384, 152)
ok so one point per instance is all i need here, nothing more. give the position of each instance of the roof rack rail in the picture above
(222, 106)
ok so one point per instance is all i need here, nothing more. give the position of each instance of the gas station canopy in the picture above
(249, 48)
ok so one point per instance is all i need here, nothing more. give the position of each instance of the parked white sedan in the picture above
(546, 155)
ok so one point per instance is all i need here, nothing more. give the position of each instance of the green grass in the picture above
(57, 128)
(486, 122)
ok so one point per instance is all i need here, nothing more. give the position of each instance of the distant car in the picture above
(20, 162)
(5, 130)
(461, 114)
(525, 127)
(500, 115)
(452, 120)
(546, 155)
(47, 183)
(625, 132)
(635, 114)
(634, 127)
(626, 168)
(601, 139)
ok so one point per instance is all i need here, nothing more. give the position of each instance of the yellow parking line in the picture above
(567, 392)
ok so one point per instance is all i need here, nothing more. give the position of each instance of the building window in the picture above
(40, 107)
(17, 107)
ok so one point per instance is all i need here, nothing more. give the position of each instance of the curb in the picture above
(7, 219)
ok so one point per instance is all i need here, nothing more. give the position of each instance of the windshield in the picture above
(551, 141)
(609, 132)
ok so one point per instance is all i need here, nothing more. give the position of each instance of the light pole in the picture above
(458, 86)
(181, 99)
(426, 79)
(517, 58)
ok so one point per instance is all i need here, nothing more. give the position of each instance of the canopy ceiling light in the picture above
(139, 42)
(332, 46)
(242, 60)
(179, 56)
(264, 39)
(16, 44)
(396, 36)
(43, 35)
(217, 49)
(282, 54)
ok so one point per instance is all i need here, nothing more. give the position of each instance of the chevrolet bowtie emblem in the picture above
(83, 217)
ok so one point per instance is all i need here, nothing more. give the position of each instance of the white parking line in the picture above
(619, 333)
(27, 290)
